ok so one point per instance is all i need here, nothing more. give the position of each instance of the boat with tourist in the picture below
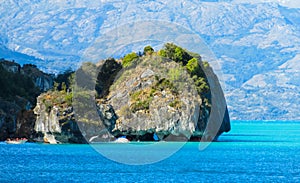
(16, 141)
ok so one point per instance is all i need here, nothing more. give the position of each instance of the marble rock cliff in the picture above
(55, 121)
(160, 95)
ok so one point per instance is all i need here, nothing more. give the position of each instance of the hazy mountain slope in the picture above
(257, 45)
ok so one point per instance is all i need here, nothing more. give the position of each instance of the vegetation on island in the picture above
(140, 100)
(191, 62)
(61, 94)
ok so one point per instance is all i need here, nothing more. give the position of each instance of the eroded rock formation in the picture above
(167, 95)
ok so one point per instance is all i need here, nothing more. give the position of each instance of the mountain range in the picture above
(255, 46)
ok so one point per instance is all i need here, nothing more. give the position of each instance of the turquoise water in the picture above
(251, 152)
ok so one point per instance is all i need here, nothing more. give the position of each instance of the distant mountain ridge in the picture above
(256, 44)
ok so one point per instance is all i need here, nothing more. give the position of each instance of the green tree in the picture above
(127, 60)
(176, 53)
(193, 67)
(55, 86)
(148, 50)
(162, 53)
(64, 86)
(66, 77)
(201, 85)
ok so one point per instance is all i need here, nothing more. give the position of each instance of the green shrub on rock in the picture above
(140, 100)
(162, 53)
(176, 53)
(148, 50)
(193, 66)
(127, 60)
(201, 84)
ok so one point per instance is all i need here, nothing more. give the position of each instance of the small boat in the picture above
(16, 141)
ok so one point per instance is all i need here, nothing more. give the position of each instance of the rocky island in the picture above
(167, 95)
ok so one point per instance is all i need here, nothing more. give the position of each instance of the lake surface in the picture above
(251, 152)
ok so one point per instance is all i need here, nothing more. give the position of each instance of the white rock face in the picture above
(162, 117)
(44, 83)
(46, 121)
(48, 138)
(252, 41)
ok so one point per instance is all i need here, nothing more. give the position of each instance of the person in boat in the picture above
(24, 139)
